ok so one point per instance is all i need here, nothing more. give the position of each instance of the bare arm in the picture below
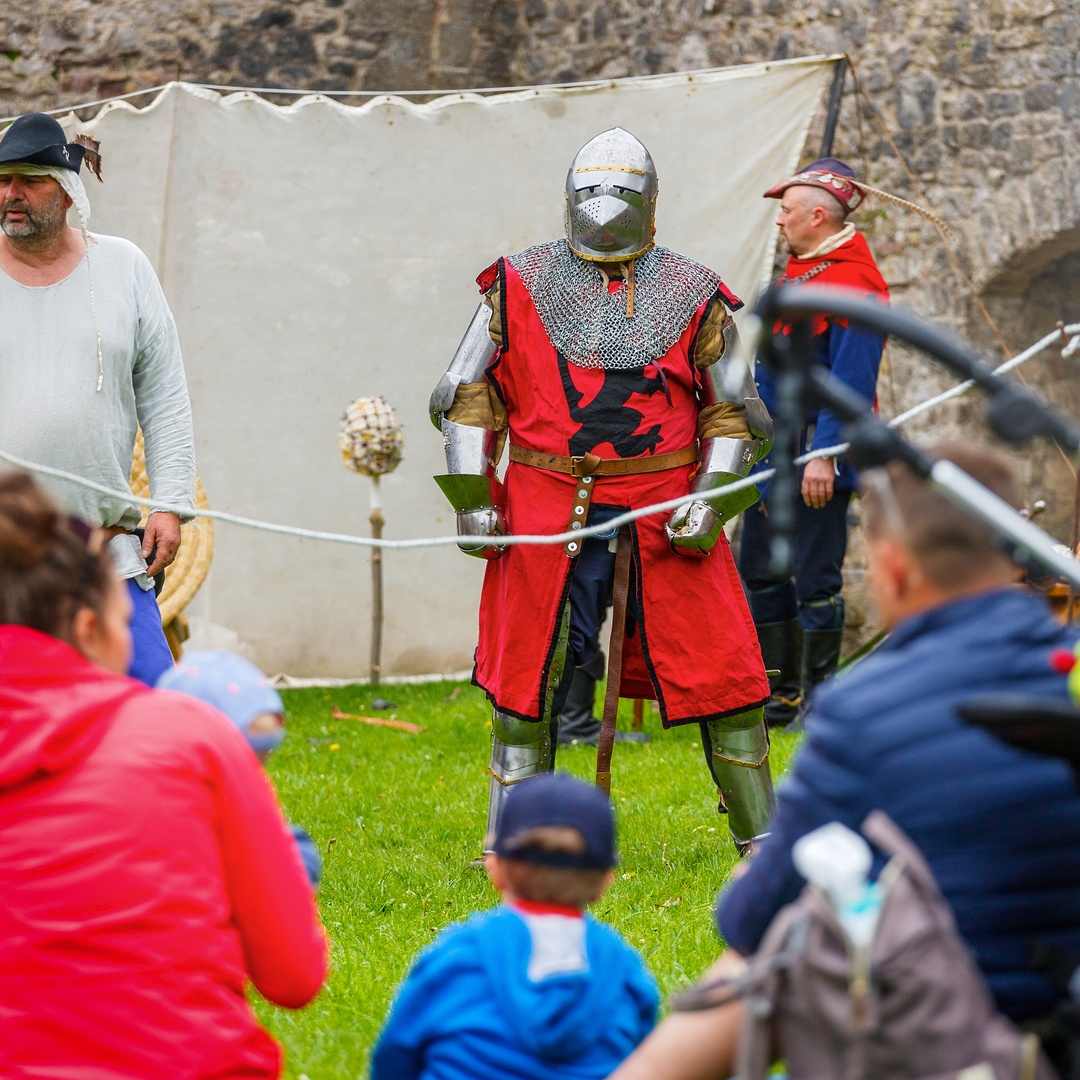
(690, 1045)
(164, 412)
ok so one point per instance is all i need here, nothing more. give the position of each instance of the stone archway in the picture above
(1027, 296)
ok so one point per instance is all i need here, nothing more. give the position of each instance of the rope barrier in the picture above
(1071, 331)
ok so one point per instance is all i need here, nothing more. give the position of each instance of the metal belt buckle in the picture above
(575, 465)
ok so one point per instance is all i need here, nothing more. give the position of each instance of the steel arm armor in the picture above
(471, 360)
(695, 528)
(469, 483)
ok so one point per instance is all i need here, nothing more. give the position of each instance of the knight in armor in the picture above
(601, 358)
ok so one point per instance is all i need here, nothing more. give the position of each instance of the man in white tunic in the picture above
(88, 353)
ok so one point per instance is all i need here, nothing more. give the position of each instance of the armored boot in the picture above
(737, 753)
(781, 649)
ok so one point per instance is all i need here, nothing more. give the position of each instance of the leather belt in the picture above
(589, 466)
(592, 465)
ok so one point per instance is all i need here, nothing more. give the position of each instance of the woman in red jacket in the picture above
(146, 871)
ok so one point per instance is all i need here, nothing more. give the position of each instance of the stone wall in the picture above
(981, 97)
(55, 52)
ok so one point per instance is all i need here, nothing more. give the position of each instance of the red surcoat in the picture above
(694, 649)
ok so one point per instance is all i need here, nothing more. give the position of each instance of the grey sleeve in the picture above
(161, 396)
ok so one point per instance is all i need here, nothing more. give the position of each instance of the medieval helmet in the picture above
(610, 198)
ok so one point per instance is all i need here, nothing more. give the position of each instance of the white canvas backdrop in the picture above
(316, 253)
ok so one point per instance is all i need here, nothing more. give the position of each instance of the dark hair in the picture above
(567, 886)
(50, 565)
(951, 547)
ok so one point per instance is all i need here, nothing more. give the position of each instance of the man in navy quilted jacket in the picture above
(999, 827)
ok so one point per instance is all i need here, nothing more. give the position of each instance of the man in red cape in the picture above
(800, 620)
(601, 357)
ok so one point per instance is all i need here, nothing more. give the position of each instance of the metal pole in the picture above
(1000, 517)
(1070, 604)
(836, 95)
(377, 522)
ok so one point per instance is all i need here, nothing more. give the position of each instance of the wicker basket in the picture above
(192, 563)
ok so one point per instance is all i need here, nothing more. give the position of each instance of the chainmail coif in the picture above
(588, 324)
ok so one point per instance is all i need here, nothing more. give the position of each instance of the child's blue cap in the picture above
(557, 800)
(233, 686)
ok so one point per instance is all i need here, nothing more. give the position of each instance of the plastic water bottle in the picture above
(838, 862)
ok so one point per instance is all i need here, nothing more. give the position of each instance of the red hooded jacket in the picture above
(146, 874)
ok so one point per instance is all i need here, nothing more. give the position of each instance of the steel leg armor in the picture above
(737, 752)
(521, 749)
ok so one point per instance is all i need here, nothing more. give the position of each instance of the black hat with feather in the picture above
(38, 139)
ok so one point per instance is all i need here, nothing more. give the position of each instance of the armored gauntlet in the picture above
(734, 432)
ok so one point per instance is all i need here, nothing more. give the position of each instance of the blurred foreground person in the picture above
(999, 827)
(135, 901)
(239, 690)
(88, 354)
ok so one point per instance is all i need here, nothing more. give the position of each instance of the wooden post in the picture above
(639, 715)
(377, 522)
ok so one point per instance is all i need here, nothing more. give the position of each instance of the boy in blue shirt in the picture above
(534, 989)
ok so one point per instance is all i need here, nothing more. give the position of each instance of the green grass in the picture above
(398, 816)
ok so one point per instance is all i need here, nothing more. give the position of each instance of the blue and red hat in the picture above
(233, 685)
(831, 175)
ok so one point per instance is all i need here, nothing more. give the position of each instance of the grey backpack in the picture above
(911, 1006)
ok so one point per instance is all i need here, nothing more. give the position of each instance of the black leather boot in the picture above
(820, 655)
(781, 649)
(577, 722)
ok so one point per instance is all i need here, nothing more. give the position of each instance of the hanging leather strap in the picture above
(606, 742)
(579, 513)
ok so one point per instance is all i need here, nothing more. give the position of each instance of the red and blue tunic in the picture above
(693, 647)
(852, 354)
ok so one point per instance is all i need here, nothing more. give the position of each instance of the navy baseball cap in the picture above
(557, 800)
